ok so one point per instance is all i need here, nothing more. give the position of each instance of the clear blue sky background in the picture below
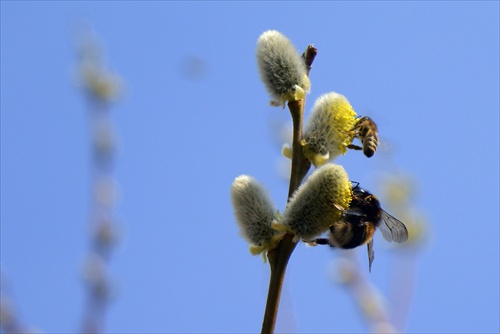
(428, 72)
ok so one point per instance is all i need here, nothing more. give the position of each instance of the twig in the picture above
(101, 88)
(102, 220)
(309, 56)
(9, 320)
(278, 257)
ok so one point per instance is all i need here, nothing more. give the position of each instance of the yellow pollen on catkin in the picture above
(317, 204)
(328, 130)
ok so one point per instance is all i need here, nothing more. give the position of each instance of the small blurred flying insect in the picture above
(366, 131)
(358, 224)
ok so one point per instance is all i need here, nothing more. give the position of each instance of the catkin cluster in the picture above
(318, 203)
(323, 199)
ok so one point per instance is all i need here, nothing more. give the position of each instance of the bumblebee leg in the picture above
(323, 241)
(371, 255)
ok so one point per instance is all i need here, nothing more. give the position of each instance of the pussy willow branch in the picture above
(100, 88)
(9, 321)
(372, 308)
(278, 257)
(98, 285)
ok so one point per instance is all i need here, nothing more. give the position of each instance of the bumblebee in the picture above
(366, 131)
(358, 224)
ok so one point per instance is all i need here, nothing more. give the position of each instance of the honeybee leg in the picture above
(354, 147)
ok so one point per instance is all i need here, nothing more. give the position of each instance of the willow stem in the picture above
(278, 257)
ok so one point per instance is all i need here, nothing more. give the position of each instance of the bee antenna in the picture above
(355, 182)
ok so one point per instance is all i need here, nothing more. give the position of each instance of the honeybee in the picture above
(358, 224)
(366, 131)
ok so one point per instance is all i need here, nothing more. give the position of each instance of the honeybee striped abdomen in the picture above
(366, 131)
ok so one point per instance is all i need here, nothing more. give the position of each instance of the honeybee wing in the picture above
(392, 228)
(371, 255)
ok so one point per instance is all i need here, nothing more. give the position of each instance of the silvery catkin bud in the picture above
(329, 129)
(317, 204)
(281, 68)
(254, 213)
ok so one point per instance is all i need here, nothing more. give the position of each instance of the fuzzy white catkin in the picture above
(253, 209)
(318, 203)
(281, 68)
(328, 130)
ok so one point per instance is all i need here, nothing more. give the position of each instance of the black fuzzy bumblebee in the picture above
(358, 224)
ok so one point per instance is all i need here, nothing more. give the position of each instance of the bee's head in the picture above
(363, 118)
(372, 200)
(359, 192)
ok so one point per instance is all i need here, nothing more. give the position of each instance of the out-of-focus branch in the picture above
(9, 320)
(396, 194)
(398, 191)
(101, 89)
(367, 297)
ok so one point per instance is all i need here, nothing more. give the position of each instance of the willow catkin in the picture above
(328, 130)
(281, 68)
(318, 203)
(254, 213)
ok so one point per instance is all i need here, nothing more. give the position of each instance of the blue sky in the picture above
(427, 72)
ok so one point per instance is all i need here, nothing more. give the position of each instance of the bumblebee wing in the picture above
(392, 228)
(354, 213)
(371, 255)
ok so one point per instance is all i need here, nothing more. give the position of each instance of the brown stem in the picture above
(278, 257)
(300, 165)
